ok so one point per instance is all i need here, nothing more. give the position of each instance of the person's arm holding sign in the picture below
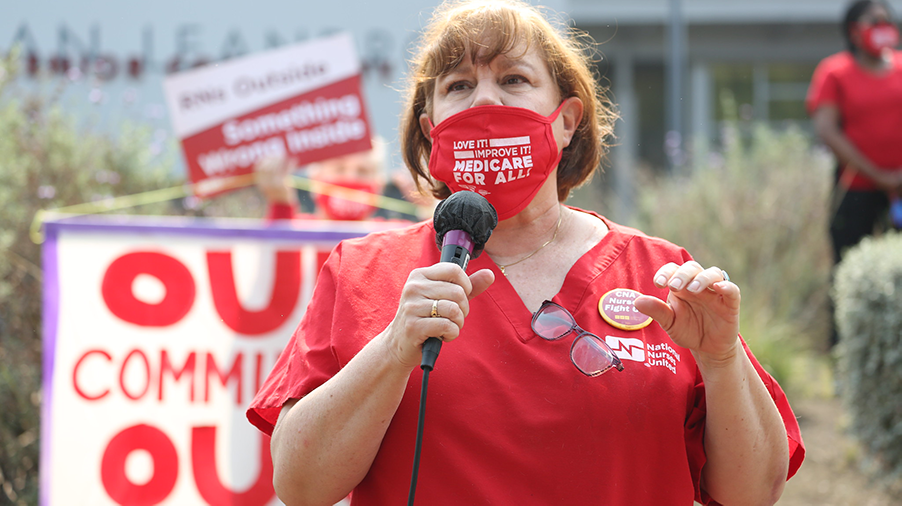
(271, 176)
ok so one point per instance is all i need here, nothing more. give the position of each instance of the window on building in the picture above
(649, 85)
(733, 91)
(768, 92)
(788, 85)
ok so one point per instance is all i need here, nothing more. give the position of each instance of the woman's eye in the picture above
(457, 86)
(514, 80)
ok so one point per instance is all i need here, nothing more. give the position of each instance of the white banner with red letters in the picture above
(302, 101)
(157, 334)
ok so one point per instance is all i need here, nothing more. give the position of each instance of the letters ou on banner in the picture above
(162, 452)
(180, 290)
(157, 335)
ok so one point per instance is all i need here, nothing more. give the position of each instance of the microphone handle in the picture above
(431, 348)
(460, 256)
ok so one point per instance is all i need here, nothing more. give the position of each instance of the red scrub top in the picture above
(510, 420)
(870, 107)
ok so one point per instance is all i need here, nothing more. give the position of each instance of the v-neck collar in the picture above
(576, 284)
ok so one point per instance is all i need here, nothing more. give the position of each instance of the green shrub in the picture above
(868, 295)
(757, 208)
(48, 160)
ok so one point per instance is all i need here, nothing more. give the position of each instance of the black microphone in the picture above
(463, 224)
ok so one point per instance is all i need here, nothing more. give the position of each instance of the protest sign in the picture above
(302, 101)
(157, 334)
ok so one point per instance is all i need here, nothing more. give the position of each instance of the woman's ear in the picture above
(855, 34)
(572, 116)
(426, 125)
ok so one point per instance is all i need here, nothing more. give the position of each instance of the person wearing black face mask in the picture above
(855, 101)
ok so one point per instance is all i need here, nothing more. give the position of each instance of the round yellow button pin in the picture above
(616, 307)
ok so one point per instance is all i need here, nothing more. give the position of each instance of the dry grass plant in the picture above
(758, 207)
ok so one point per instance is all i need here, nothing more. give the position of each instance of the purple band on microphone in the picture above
(458, 238)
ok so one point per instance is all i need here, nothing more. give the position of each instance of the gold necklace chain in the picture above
(549, 241)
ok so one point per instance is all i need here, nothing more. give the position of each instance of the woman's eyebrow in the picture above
(463, 67)
(503, 62)
(507, 63)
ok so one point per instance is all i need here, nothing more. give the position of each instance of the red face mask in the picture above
(877, 37)
(349, 208)
(503, 153)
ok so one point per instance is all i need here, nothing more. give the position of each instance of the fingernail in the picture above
(676, 284)
(694, 286)
(660, 280)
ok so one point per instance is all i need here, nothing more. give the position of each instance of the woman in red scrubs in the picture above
(553, 386)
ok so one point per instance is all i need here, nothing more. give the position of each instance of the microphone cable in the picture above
(420, 423)
(463, 223)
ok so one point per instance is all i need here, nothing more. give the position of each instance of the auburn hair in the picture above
(483, 30)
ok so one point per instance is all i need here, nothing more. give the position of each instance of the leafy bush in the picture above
(868, 295)
(48, 160)
(757, 208)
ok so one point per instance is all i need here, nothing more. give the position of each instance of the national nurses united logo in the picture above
(501, 160)
(627, 348)
(652, 355)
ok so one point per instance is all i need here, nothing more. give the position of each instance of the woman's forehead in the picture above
(519, 54)
(875, 11)
(495, 54)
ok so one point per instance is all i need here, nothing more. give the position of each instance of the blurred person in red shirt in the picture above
(855, 100)
(331, 181)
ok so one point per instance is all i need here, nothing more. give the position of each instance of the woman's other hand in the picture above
(447, 288)
(701, 312)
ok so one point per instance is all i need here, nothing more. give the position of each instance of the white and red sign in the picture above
(157, 335)
(302, 101)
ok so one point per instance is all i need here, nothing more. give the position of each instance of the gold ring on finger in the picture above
(435, 310)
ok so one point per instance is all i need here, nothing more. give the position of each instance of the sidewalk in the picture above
(830, 474)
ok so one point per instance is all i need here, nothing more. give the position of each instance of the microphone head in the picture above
(469, 212)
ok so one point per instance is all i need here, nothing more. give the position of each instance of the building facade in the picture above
(747, 58)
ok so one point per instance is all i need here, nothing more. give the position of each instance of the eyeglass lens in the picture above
(553, 322)
(591, 356)
(589, 353)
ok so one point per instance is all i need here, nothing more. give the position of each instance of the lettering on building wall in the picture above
(83, 53)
